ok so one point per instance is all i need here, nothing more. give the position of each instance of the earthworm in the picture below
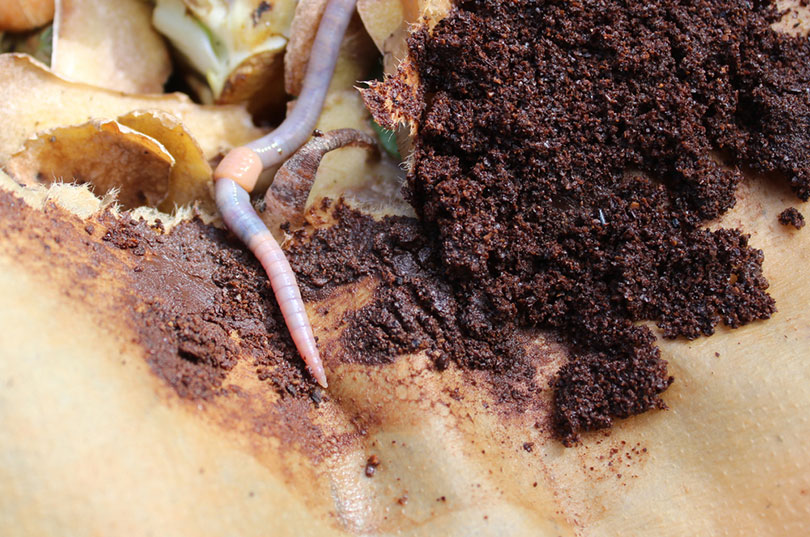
(277, 146)
(238, 172)
(237, 212)
(287, 196)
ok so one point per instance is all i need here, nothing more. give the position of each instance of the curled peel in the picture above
(103, 154)
(22, 15)
(35, 99)
(190, 177)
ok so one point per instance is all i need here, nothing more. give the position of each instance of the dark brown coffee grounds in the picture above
(792, 217)
(414, 308)
(371, 465)
(567, 158)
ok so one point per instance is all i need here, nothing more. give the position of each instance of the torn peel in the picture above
(234, 205)
(286, 198)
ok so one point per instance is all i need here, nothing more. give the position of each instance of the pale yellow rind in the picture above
(102, 154)
(110, 45)
(35, 99)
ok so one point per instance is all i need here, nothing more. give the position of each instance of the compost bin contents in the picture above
(568, 157)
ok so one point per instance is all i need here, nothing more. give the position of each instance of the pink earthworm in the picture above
(238, 172)
(240, 217)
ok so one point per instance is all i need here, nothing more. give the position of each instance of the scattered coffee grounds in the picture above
(194, 299)
(569, 154)
(792, 217)
(413, 307)
(205, 303)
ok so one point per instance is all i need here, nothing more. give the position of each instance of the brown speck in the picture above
(371, 465)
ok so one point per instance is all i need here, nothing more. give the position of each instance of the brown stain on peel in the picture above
(200, 309)
(192, 299)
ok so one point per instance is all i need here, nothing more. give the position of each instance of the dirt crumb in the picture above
(371, 465)
(792, 217)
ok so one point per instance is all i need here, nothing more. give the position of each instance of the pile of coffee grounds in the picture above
(792, 217)
(568, 157)
(200, 303)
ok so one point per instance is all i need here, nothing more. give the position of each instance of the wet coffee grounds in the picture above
(792, 217)
(413, 307)
(567, 159)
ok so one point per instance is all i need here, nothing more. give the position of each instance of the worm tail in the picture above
(237, 212)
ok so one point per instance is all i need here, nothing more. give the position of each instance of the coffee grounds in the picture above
(413, 307)
(567, 158)
(204, 304)
(792, 217)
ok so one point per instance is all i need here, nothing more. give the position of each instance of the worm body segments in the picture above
(238, 172)
(240, 217)
(279, 145)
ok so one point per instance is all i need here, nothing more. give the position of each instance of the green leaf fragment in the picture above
(388, 139)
